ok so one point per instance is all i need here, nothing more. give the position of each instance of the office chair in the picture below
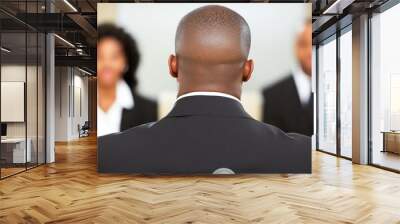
(84, 130)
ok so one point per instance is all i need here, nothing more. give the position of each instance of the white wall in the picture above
(273, 28)
(33, 126)
(70, 84)
(80, 102)
(17, 73)
(61, 103)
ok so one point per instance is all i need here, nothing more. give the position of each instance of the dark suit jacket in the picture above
(200, 135)
(144, 111)
(283, 109)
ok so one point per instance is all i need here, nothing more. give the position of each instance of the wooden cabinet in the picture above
(391, 142)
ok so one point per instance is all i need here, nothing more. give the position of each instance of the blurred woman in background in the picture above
(119, 106)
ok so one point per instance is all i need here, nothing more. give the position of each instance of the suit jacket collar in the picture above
(208, 106)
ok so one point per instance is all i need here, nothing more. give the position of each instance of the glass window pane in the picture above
(14, 153)
(385, 87)
(22, 89)
(327, 97)
(346, 94)
(313, 81)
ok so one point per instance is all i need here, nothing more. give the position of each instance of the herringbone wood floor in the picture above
(70, 191)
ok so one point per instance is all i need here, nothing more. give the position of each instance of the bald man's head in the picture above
(212, 44)
(213, 34)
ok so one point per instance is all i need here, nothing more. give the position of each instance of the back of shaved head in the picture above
(212, 44)
(206, 32)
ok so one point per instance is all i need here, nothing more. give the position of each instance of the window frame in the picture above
(334, 37)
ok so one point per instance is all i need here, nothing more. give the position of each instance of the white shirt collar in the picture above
(124, 95)
(204, 93)
(303, 85)
(110, 121)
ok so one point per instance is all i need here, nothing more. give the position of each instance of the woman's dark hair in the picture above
(129, 47)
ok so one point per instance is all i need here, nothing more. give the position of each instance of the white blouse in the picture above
(110, 121)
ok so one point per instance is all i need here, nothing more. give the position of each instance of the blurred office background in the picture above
(272, 48)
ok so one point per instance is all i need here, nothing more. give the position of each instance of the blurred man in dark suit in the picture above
(207, 130)
(288, 104)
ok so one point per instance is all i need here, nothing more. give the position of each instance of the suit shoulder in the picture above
(128, 133)
(278, 134)
(294, 144)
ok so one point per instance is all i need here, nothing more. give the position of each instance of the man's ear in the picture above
(173, 66)
(248, 70)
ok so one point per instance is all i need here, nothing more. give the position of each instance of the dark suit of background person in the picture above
(207, 129)
(144, 111)
(288, 104)
(119, 105)
(284, 109)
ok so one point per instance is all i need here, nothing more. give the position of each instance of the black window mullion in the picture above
(317, 96)
(26, 87)
(37, 90)
(0, 100)
(338, 91)
(369, 91)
